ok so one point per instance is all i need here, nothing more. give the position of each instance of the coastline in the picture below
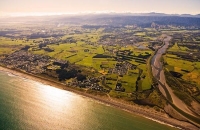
(123, 105)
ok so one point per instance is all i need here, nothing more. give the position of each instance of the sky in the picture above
(43, 7)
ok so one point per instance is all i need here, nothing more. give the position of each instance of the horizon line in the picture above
(23, 14)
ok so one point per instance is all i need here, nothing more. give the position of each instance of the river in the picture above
(157, 68)
(26, 104)
(158, 73)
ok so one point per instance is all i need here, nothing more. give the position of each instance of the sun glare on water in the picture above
(55, 98)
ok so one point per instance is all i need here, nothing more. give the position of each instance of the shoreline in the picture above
(151, 114)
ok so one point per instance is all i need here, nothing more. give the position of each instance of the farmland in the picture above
(120, 57)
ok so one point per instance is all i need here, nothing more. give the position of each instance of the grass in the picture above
(9, 41)
(129, 82)
(111, 84)
(146, 83)
(89, 61)
(178, 65)
(140, 34)
(8, 45)
(197, 65)
(193, 76)
(111, 80)
(175, 48)
(4, 50)
(143, 67)
(73, 52)
(135, 71)
(156, 98)
(117, 94)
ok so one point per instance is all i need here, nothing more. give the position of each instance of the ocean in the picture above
(29, 105)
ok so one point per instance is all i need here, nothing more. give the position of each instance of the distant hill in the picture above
(115, 19)
(144, 20)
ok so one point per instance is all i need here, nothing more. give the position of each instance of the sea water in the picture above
(26, 104)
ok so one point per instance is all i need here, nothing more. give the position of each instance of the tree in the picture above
(81, 77)
(26, 48)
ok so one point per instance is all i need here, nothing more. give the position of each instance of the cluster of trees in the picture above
(101, 56)
(42, 45)
(176, 74)
(64, 74)
(26, 48)
(62, 65)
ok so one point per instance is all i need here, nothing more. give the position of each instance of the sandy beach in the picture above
(121, 104)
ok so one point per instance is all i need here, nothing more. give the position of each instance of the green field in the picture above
(84, 47)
